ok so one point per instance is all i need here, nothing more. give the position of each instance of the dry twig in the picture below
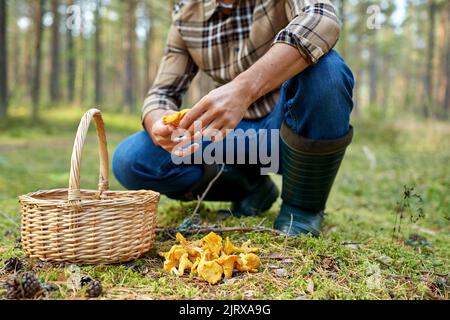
(199, 230)
(200, 200)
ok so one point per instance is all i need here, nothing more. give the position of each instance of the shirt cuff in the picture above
(157, 103)
(308, 50)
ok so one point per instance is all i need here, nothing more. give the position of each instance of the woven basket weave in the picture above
(88, 226)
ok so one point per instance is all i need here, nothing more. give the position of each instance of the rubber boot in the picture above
(309, 168)
(250, 193)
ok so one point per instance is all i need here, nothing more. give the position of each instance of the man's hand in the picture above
(166, 136)
(221, 109)
(224, 107)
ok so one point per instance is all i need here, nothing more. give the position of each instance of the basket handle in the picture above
(74, 193)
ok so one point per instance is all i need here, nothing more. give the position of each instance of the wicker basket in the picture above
(88, 226)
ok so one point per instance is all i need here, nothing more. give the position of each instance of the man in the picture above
(274, 68)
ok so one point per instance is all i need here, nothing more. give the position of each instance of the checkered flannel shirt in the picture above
(222, 43)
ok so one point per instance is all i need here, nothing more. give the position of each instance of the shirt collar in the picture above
(211, 6)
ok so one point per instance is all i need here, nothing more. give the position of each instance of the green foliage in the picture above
(409, 207)
(390, 59)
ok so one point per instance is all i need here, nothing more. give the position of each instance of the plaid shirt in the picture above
(222, 43)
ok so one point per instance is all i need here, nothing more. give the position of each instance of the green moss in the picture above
(357, 257)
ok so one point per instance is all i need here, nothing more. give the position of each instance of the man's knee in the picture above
(337, 76)
(320, 99)
(124, 163)
(330, 78)
(335, 83)
(137, 162)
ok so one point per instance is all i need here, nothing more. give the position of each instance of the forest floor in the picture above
(359, 256)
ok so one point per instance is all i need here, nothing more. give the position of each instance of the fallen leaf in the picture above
(385, 260)
(329, 264)
(277, 256)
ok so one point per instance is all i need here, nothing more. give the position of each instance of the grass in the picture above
(356, 258)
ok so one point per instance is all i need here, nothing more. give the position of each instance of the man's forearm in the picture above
(279, 64)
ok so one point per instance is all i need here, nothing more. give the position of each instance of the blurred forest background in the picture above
(386, 235)
(106, 53)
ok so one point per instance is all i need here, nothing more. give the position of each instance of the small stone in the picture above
(351, 244)
(281, 273)
(310, 286)
(386, 260)
(288, 260)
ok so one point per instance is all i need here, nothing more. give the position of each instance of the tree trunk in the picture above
(15, 61)
(373, 72)
(446, 107)
(54, 72)
(356, 55)
(428, 79)
(148, 47)
(36, 77)
(27, 67)
(82, 63)
(71, 67)
(130, 41)
(343, 36)
(98, 55)
(386, 84)
(408, 102)
(3, 61)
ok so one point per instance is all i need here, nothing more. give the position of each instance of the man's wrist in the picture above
(248, 86)
(151, 117)
(147, 122)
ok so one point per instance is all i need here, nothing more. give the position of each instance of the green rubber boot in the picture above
(250, 193)
(309, 168)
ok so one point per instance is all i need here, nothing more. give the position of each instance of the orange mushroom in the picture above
(174, 119)
(248, 262)
(227, 263)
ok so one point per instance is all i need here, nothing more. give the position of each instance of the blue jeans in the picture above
(316, 104)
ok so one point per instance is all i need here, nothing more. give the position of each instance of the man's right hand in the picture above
(166, 137)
